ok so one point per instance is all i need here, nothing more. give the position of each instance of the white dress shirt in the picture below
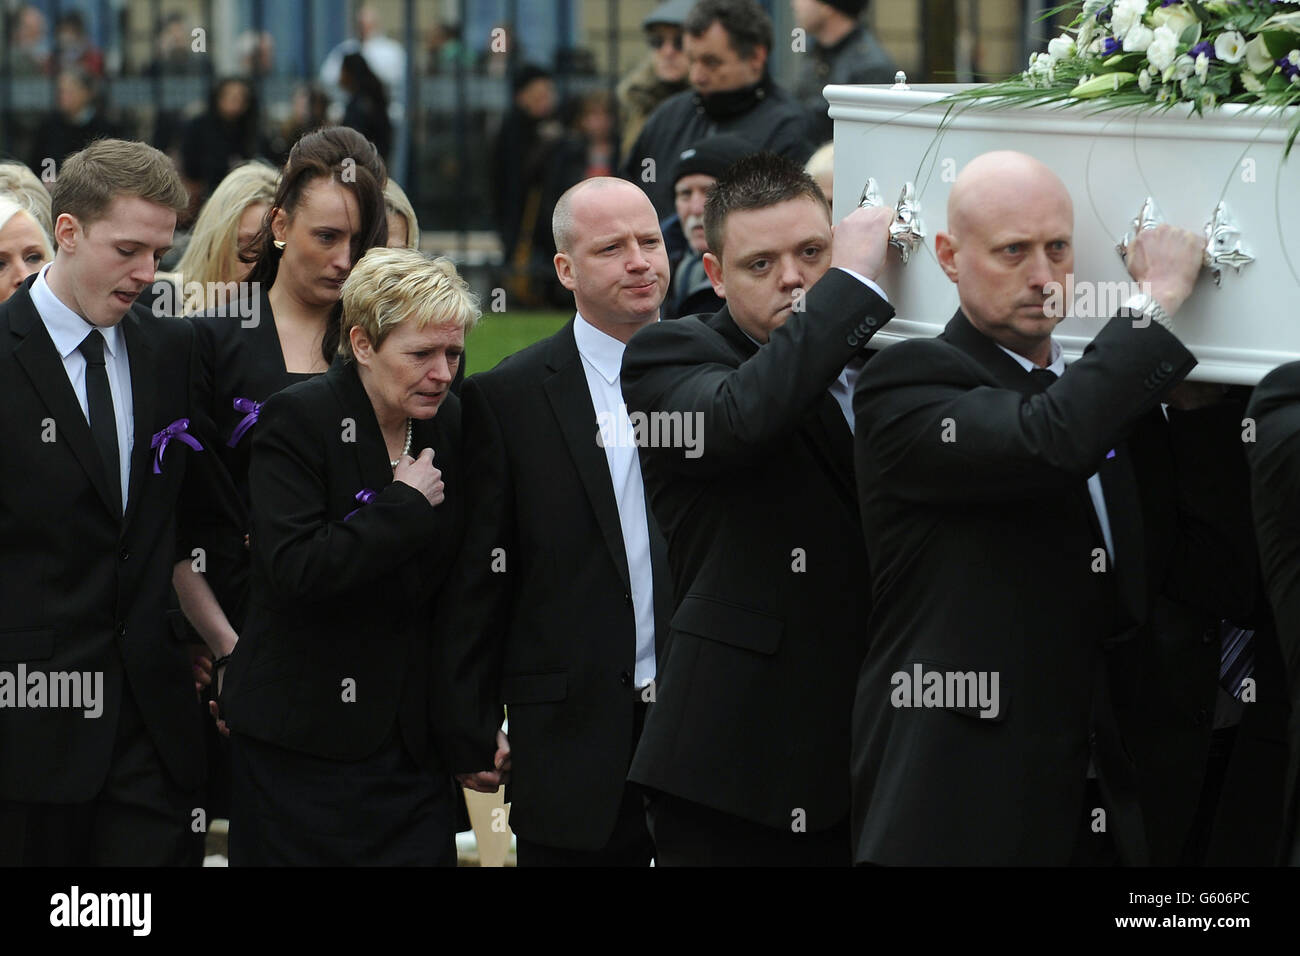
(68, 330)
(602, 360)
(1057, 365)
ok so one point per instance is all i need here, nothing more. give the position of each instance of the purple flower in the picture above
(1289, 69)
(1110, 46)
(1206, 47)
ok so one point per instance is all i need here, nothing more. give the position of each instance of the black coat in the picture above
(238, 358)
(83, 587)
(984, 551)
(338, 599)
(770, 577)
(545, 625)
(1275, 494)
(764, 115)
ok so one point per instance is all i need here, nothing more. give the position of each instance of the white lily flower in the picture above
(1230, 46)
(1258, 59)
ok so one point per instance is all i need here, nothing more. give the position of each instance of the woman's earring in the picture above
(278, 243)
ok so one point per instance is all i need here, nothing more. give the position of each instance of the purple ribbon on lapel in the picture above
(364, 497)
(177, 430)
(251, 410)
(1110, 454)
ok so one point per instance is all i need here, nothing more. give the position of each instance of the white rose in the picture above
(1126, 14)
(1138, 39)
(1202, 66)
(1162, 48)
(1183, 68)
(1062, 48)
(1258, 59)
(1177, 18)
(1230, 47)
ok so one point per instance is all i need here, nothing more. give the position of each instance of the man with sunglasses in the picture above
(660, 75)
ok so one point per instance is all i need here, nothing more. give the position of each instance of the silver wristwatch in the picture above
(1149, 309)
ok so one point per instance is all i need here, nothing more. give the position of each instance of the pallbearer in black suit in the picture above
(357, 495)
(1006, 534)
(561, 590)
(100, 754)
(746, 747)
(1275, 493)
(281, 328)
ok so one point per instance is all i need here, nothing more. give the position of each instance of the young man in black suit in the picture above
(561, 592)
(94, 403)
(745, 749)
(1008, 545)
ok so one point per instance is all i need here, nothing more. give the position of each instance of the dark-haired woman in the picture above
(282, 327)
(222, 137)
(367, 106)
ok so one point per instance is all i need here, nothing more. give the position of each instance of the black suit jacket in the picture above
(1201, 568)
(769, 572)
(1275, 496)
(545, 624)
(235, 361)
(338, 599)
(984, 542)
(82, 586)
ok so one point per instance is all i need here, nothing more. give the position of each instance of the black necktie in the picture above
(1042, 377)
(99, 403)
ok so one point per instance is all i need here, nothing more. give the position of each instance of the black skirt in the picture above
(295, 809)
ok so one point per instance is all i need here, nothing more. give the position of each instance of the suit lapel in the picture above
(370, 454)
(570, 399)
(144, 380)
(1006, 372)
(824, 427)
(43, 366)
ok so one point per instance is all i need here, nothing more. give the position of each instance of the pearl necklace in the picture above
(406, 449)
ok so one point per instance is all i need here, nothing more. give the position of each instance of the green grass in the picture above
(500, 334)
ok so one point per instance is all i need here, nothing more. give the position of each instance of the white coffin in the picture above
(1111, 162)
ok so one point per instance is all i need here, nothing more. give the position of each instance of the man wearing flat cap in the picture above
(660, 75)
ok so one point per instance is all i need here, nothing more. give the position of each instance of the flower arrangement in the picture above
(1159, 53)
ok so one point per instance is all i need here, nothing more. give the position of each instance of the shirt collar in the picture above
(1056, 365)
(602, 351)
(67, 329)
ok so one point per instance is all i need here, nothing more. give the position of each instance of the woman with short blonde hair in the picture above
(390, 286)
(351, 543)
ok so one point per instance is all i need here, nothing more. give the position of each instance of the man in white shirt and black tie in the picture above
(100, 753)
